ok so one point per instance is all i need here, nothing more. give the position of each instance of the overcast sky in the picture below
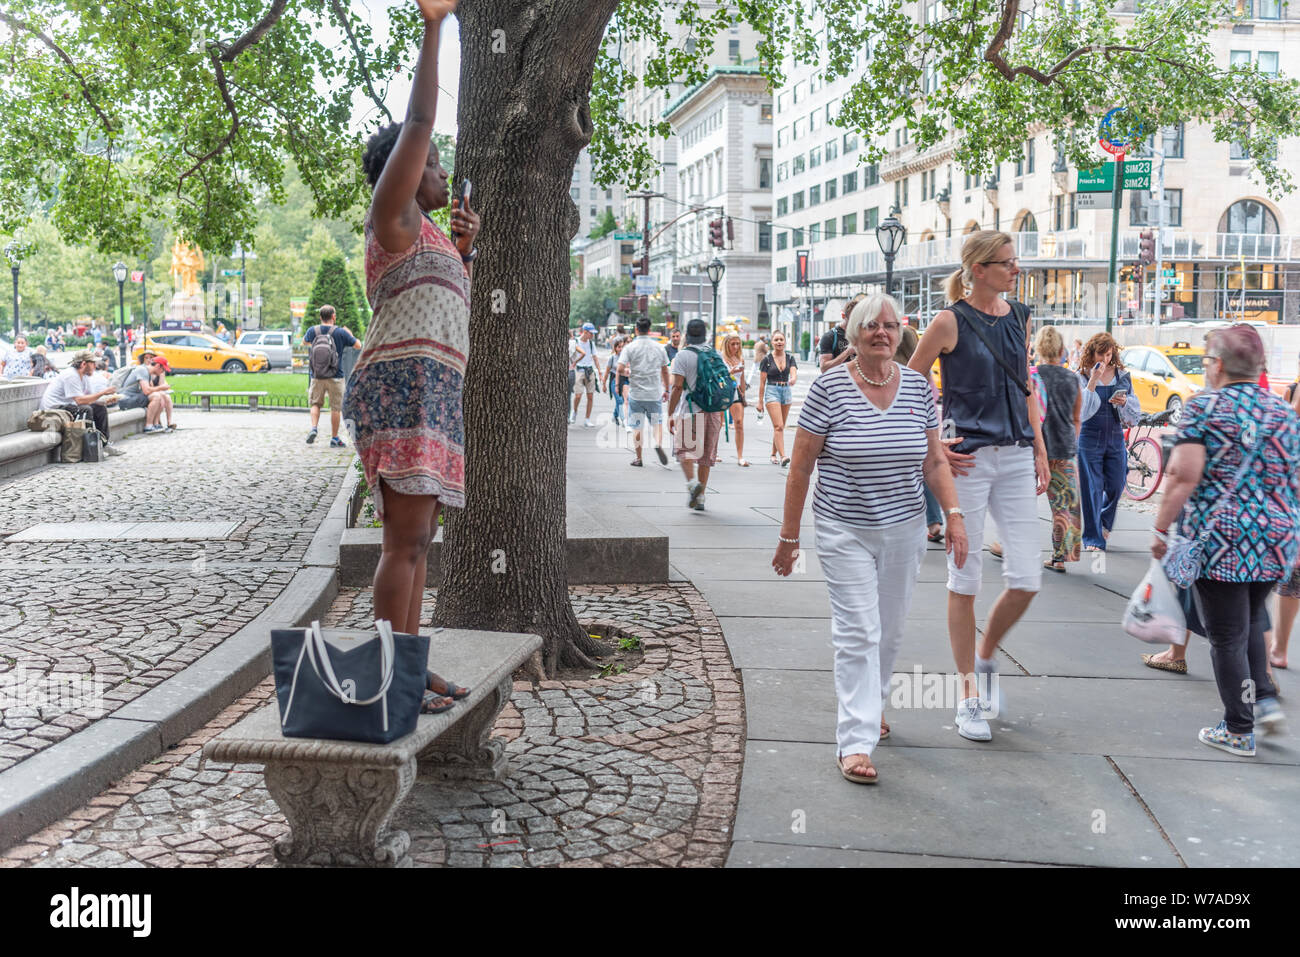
(399, 88)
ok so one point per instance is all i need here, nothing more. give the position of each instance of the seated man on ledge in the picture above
(71, 392)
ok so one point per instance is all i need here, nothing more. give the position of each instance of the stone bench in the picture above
(205, 399)
(339, 796)
(22, 451)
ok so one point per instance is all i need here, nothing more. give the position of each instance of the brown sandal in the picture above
(856, 775)
(1177, 667)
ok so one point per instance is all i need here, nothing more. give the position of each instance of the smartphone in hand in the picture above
(462, 199)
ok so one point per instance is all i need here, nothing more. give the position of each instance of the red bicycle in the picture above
(1146, 457)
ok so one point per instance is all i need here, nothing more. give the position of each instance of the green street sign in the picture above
(232, 272)
(1168, 272)
(1137, 175)
(635, 237)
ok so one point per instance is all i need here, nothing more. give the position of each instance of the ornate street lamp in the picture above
(14, 253)
(119, 273)
(945, 207)
(715, 270)
(891, 235)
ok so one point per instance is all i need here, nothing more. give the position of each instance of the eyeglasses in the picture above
(1205, 360)
(1009, 263)
(873, 326)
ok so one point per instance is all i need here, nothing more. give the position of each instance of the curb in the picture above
(61, 778)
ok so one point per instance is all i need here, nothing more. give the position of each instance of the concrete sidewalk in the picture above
(1094, 762)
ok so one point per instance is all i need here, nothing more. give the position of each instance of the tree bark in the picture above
(522, 120)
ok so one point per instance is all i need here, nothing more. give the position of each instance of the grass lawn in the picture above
(286, 384)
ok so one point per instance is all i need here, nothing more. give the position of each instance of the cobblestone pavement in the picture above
(640, 768)
(87, 626)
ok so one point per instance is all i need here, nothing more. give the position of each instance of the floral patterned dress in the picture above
(403, 402)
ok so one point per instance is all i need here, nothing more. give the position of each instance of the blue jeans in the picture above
(933, 513)
(1103, 467)
(781, 394)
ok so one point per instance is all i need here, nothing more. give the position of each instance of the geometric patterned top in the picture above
(403, 401)
(1255, 536)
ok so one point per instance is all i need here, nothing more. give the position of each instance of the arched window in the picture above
(1249, 216)
(971, 227)
(1027, 224)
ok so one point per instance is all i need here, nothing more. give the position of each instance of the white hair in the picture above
(869, 309)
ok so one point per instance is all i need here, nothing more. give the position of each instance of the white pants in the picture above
(1001, 484)
(869, 574)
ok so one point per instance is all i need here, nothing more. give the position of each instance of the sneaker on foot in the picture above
(1220, 737)
(697, 495)
(970, 722)
(113, 450)
(699, 506)
(588, 424)
(150, 429)
(1269, 716)
(638, 463)
(663, 456)
(337, 443)
(311, 436)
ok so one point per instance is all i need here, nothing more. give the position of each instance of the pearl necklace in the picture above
(869, 381)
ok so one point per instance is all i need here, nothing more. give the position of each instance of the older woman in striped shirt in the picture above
(871, 429)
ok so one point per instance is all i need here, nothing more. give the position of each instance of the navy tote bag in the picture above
(346, 685)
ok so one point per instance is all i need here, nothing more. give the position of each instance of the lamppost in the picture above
(715, 270)
(119, 273)
(891, 235)
(14, 253)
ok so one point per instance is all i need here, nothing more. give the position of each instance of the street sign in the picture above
(1137, 175)
(1174, 281)
(646, 286)
(1104, 200)
(626, 237)
(232, 272)
(1169, 272)
(137, 275)
(1106, 133)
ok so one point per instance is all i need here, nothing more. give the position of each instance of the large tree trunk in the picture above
(526, 72)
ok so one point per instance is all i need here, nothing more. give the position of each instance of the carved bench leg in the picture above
(467, 751)
(252, 403)
(338, 815)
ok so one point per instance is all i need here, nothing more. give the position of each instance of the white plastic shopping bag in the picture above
(1154, 613)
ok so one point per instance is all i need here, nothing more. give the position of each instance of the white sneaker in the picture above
(573, 417)
(970, 724)
(588, 424)
(696, 491)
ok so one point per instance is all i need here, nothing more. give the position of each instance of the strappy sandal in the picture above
(427, 703)
(775, 460)
(936, 537)
(454, 691)
(1055, 566)
(785, 462)
(856, 776)
(1177, 667)
(884, 729)
(742, 463)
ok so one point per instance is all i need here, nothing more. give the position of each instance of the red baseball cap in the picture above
(162, 361)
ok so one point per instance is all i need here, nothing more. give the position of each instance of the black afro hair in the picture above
(378, 149)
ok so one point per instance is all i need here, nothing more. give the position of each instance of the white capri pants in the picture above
(869, 574)
(1001, 484)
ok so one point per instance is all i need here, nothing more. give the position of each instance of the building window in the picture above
(871, 218)
(1270, 9)
(850, 182)
(1074, 210)
(967, 185)
(782, 273)
(798, 165)
(764, 237)
(797, 238)
(782, 206)
(1244, 8)
(800, 92)
(814, 157)
(576, 193)
(828, 229)
(814, 195)
(1238, 150)
(1239, 58)
(850, 142)
(796, 201)
(1173, 141)
(1249, 216)
(1058, 213)
(814, 121)
(830, 189)
(831, 150)
(782, 240)
(764, 174)
(870, 175)
(733, 49)
(783, 136)
(797, 131)
(1266, 60)
(765, 113)
(1029, 159)
(782, 102)
(782, 171)
(849, 224)
(815, 233)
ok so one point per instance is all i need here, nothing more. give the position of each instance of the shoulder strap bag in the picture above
(1012, 373)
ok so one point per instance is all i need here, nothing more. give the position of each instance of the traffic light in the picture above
(715, 234)
(1146, 247)
(731, 231)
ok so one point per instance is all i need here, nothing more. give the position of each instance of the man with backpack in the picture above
(702, 389)
(325, 344)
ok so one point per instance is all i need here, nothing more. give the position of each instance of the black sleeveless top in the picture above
(985, 406)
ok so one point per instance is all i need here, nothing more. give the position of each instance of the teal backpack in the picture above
(715, 389)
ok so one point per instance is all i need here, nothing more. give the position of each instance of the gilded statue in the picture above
(187, 263)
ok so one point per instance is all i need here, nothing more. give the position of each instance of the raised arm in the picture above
(393, 209)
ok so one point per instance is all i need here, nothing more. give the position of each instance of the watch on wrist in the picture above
(471, 256)
(956, 511)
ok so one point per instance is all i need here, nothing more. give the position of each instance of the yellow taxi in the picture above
(196, 352)
(1165, 377)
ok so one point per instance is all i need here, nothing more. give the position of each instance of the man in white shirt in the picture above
(695, 433)
(71, 392)
(645, 364)
(587, 368)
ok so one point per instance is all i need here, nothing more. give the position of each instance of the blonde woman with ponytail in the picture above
(996, 452)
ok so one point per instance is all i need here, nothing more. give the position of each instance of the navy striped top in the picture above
(869, 471)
